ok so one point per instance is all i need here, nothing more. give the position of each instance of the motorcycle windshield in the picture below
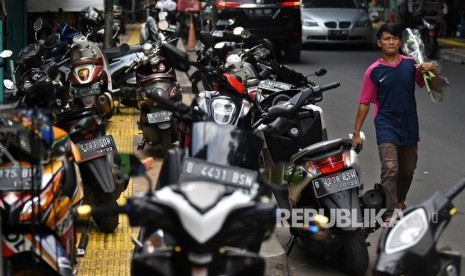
(225, 145)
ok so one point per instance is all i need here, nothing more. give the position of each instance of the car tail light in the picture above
(329, 165)
(290, 4)
(83, 74)
(224, 5)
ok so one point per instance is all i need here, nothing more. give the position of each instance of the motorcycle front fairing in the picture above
(419, 256)
(225, 145)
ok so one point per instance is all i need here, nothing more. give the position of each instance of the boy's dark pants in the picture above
(397, 166)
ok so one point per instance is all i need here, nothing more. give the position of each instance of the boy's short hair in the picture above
(391, 28)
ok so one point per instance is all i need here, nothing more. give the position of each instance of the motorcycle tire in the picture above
(22, 265)
(110, 223)
(354, 252)
(166, 140)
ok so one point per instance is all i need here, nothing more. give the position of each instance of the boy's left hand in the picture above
(426, 67)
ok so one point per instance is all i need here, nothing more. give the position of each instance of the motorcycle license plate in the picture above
(194, 168)
(335, 183)
(97, 147)
(274, 85)
(159, 117)
(16, 178)
(82, 91)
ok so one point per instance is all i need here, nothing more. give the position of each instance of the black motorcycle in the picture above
(409, 248)
(99, 162)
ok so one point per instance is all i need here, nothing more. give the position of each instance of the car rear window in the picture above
(347, 4)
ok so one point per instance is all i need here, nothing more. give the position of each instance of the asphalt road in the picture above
(441, 146)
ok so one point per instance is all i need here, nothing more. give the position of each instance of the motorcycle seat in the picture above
(115, 52)
(319, 150)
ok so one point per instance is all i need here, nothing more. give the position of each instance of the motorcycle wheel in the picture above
(354, 252)
(166, 140)
(110, 223)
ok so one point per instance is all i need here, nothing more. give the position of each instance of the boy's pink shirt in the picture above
(369, 91)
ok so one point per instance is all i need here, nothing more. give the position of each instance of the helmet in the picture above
(90, 19)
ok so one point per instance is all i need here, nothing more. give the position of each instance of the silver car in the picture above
(335, 22)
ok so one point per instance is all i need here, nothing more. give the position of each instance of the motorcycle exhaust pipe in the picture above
(104, 104)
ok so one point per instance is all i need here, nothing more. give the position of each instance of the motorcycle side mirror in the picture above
(124, 48)
(163, 24)
(284, 175)
(6, 54)
(207, 39)
(37, 24)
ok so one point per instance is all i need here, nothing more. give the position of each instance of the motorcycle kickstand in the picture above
(83, 241)
(117, 108)
(290, 245)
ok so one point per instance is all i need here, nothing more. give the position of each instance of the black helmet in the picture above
(90, 19)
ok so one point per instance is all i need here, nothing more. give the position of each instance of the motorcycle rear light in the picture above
(330, 164)
(89, 136)
(290, 4)
(83, 74)
(224, 5)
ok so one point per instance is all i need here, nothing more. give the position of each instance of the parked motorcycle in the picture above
(123, 74)
(91, 84)
(184, 233)
(333, 184)
(39, 186)
(99, 163)
(427, 25)
(410, 246)
(155, 75)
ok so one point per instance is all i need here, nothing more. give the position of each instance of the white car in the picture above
(335, 22)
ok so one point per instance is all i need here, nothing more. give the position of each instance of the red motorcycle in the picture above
(90, 81)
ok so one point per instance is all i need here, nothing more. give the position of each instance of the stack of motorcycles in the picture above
(254, 131)
(54, 156)
(245, 88)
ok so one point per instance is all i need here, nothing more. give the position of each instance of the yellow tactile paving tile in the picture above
(110, 254)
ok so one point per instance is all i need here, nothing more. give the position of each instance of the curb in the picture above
(452, 55)
(275, 257)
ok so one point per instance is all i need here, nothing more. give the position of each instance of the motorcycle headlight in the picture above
(223, 111)
(407, 232)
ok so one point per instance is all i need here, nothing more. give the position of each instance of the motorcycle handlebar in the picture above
(282, 110)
